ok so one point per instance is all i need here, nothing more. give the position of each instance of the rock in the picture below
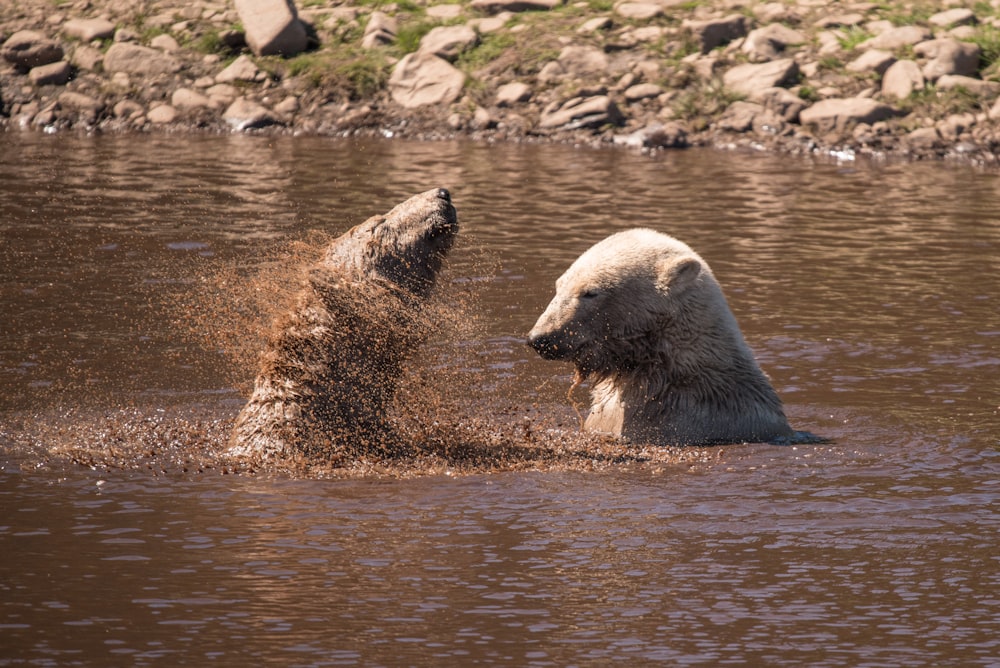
(449, 42)
(960, 16)
(52, 74)
(87, 58)
(974, 86)
(924, 138)
(782, 102)
(901, 79)
(575, 62)
(739, 116)
(421, 79)
(948, 56)
(873, 60)
(272, 27)
(128, 109)
(26, 49)
(638, 11)
(656, 135)
(580, 112)
(244, 114)
(135, 59)
(769, 42)
(87, 30)
(751, 79)
(165, 43)
(896, 38)
(86, 106)
(288, 106)
(711, 33)
(162, 114)
(513, 93)
(497, 6)
(186, 99)
(595, 25)
(224, 94)
(840, 21)
(380, 30)
(837, 114)
(642, 91)
(241, 69)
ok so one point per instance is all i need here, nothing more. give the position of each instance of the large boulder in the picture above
(769, 42)
(141, 60)
(272, 27)
(897, 38)
(838, 114)
(244, 114)
(422, 79)
(26, 49)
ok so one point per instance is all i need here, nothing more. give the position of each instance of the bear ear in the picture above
(677, 275)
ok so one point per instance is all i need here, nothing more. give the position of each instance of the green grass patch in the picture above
(704, 99)
(852, 37)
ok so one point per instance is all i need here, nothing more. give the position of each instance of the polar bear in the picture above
(333, 361)
(642, 317)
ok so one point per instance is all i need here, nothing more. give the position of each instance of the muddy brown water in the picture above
(869, 293)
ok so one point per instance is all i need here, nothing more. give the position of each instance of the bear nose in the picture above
(544, 346)
(443, 193)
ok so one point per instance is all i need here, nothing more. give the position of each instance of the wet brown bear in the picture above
(641, 315)
(332, 363)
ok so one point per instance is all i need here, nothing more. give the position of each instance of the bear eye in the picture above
(589, 294)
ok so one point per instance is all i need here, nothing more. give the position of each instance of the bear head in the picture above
(404, 247)
(615, 303)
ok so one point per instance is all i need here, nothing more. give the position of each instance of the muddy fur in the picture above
(332, 362)
(644, 320)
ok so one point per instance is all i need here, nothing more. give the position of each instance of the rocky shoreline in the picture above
(915, 80)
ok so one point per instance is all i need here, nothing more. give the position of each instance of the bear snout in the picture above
(442, 193)
(548, 347)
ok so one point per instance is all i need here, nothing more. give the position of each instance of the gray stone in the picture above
(421, 79)
(165, 43)
(960, 16)
(840, 21)
(711, 33)
(86, 106)
(595, 25)
(513, 93)
(244, 114)
(380, 30)
(128, 109)
(783, 102)
(576, 62)
(272, 27)
(87, 58)
(769, 42)
(873, 60)
(639, 11)
(241, 69)
(444, 12)
(26, 49)
(896, 38)
(581, 112)
(656, 135)
(186, 99)
(642, 91)
(901, 79)
(135, 59)
(948, 56)
(497, 6)
(739, 116)
(751, 80)
(974, 86)
(837, 114)
(449, 42)
(52, 74)
(162, 114)
(87, 30)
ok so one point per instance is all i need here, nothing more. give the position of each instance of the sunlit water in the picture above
(868, 294)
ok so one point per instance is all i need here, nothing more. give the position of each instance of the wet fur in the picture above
(643, 318)
(332, 362)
